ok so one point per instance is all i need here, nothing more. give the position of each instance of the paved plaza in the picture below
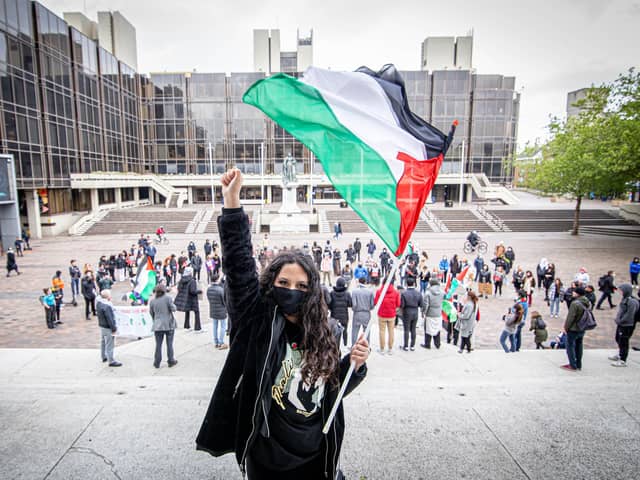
(422, 414)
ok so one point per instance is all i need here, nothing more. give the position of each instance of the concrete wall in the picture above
(124, 40)
(631, 212)
(59, 224)
(261, 50)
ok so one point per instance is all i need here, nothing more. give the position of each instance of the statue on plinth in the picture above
(289, 171)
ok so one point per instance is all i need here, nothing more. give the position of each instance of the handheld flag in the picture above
(145, 281)
(452, 285)
(382, 158)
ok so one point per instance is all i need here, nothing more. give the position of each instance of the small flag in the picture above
(145, 280)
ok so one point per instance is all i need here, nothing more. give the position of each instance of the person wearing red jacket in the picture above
(387, 316)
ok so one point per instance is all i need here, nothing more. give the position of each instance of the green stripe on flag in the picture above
(149, 286)
(356, 171)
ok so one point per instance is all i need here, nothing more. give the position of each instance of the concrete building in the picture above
(113, 32)
(269, 58)
(447, 53)
(572, 99)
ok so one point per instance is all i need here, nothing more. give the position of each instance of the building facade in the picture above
(87, 131)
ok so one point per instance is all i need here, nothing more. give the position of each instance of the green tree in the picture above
(597, 151)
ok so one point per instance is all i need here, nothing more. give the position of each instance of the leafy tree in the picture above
(597, 151)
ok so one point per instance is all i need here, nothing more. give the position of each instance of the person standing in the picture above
(362, 302)
(484, 282)
(432, 313)
(207, 248)
(76, 275)
(108, 328)
(549, 277)
(498, 280)
(339, 306)
(625, 324)
(121, 265)
(57, 288)
(283, 359)
(510, 257)
(384, 262)
(196, 264)
(11, 262)
(325, 267)
(539, 329)
(443, 268)
(634, 270)
(357, 246)
(173, 265)
(511, 322)
(191, 249)
(556, 294)
(48, 301)
(18, 245)
(371, 248)
(410, 303)
(575, 336)
(161, 309)
(467, 321)
(387, 315)
(217, 312)
(187, 299)
(522, 300)
(478, 264)
(541, 269)
(607, 287)
(89, 289)
(529, 285)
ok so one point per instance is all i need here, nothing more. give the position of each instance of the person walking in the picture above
(283, 358)
(467, 321)
(575, 336)
(432, 313)
(625, 324)
(387, 316)
(11, 262)
(187, 299)
(339, 306)
(410, 303)
(607, 287)
(217, 312)
(89, 290)
(539, 329)
(556, 294)
(161, 309)
(108, 328)
(511, 322)
(634, 270)
(362, 302)
(371, 248)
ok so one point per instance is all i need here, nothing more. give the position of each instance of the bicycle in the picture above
(163, 240)
(481, 247)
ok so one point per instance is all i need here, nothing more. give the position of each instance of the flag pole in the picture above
(352, 366)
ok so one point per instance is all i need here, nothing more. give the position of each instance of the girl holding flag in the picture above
(283, 370)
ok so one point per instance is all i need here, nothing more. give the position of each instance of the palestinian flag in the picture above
(145, 280)
(382, 158)
(452, 285)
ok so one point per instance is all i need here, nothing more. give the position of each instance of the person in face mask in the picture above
(283, 371)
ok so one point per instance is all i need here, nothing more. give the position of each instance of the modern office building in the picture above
(447, 53)
(88, 133)
(268, 57)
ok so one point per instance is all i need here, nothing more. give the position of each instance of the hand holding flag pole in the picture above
(352, 366)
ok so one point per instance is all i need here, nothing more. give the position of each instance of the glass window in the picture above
(12, 13)
(24, 18)
(3, 46)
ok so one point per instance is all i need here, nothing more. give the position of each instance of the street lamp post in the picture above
(213, 196)
(461, 172)
(261, 176)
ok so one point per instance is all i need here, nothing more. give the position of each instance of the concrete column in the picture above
(136, 194)
(469, 193)
(118, 195)
(95, 203)
(33, 213)
(269, 194)
(190, 195)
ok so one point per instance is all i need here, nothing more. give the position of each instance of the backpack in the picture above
(586, 320)
(540, 325)
(602, 282)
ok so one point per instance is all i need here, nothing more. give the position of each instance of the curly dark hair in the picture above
(321, 356)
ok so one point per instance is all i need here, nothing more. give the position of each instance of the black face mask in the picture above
(289, 300)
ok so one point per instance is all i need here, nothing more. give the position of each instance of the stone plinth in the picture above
(289, 199)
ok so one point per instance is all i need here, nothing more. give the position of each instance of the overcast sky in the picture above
(550, 46)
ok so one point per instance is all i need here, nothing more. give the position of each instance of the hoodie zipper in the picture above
(255, 408)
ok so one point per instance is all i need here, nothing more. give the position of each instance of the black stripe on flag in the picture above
(392, 83)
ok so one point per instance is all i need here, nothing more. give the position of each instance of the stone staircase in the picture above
(461, 220)
(143, 220)
(348, 219)
(557, 220)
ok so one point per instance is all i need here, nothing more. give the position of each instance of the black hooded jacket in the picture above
(241, 399)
